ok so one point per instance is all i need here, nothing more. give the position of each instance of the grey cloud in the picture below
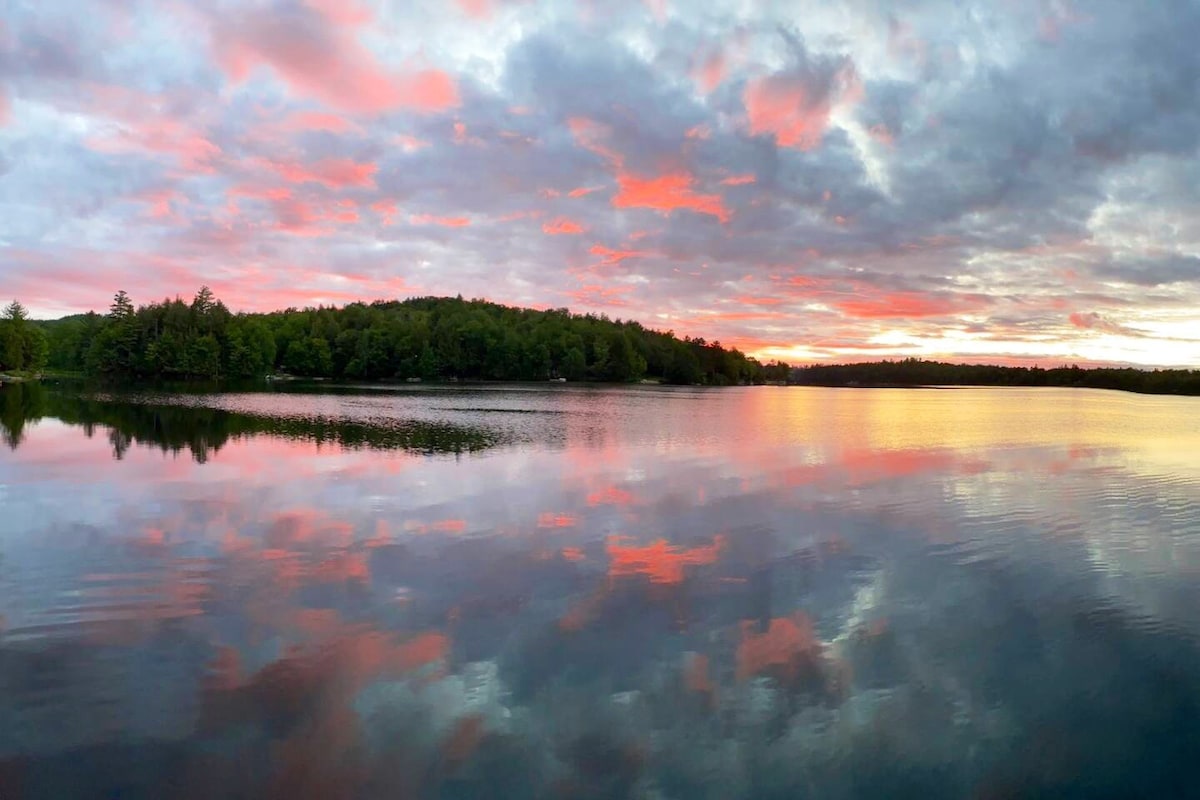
(1002, 142)
(1151, 272)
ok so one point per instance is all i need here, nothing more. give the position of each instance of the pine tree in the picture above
(204, 301)
(15, 312)
(12, 336)
(122, 307)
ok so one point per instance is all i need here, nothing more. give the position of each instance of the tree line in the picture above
(432, 338)
(442, 338)
(917, 372)
(23, 344)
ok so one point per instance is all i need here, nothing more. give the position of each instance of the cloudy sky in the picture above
(976, 179)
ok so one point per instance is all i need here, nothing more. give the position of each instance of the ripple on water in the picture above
(637, 593)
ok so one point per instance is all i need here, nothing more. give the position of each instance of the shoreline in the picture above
(300, 383)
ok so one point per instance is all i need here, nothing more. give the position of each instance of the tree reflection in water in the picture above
(204, 431)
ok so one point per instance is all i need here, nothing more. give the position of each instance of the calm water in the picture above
(570, 592)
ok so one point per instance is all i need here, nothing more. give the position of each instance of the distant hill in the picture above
(916, 372)
(452, 339)
(431, 338)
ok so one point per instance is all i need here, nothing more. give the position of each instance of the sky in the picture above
(1012, 181)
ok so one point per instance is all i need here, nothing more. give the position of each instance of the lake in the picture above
(586, 592)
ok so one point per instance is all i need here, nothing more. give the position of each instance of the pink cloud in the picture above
(513, 216)
(297, 217)
(752, 300)
(336, 173)
(518, 138)
(445, 222)
(476, 9)
(710, 72)
(160, 201)
(260, 192)
(591, 135)
(600, 296)
(611, 257)
(345, 210)
(898, 305)
(583, 190)
(5, 107)
(1092, 321)
(862, 300)
(461, 136)
(347, 13)
(704, 321)
(658, 8)
(666, 193)
(315, 51)
(739, 180)
(795, 108)
(306, 217)
(320, 121)
(561, 226)
(85, 278)
(194, 152)
(386, 209)
(409, 143)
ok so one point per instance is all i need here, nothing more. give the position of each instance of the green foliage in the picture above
(122, 307)
(429, 338)
(69, 339)
(443, 338)
(36, 350)
(23, 345)
(12, 350)
(15, 312)
(574, 365)
(310, 356)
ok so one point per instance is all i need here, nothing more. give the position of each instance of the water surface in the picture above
(579, 592)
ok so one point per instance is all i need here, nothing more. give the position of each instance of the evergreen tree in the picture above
(121, 308)
(22, 344)
(15, 312)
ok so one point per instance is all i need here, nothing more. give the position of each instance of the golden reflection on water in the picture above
(1156, 434)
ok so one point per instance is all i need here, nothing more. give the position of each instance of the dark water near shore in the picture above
(576, 592)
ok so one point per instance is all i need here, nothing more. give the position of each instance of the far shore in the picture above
(299, 382)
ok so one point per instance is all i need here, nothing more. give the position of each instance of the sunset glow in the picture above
(1015, 183)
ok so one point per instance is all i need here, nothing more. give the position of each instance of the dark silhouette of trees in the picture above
(427, 337)
(449, 338)
(917, 372)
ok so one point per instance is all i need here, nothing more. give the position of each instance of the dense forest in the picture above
(440, 338)
(427, 337)
(915, 372)
(23, 345)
